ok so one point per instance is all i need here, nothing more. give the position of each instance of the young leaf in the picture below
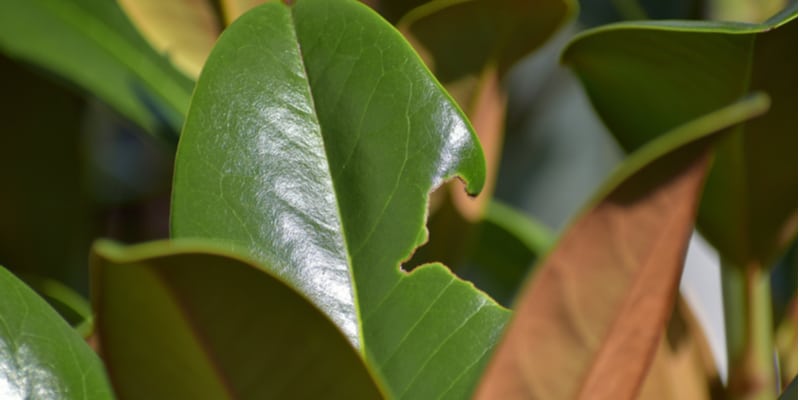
(645, 78)
(92, 44)
(313, 139)
(181, 320)
(588, 323)
(41, 357)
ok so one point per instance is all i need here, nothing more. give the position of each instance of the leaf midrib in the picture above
(359, 345)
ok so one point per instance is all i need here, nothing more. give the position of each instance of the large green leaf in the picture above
(41, 357)
(181, 320)
(646, 78)
(313, 139)
(92, 44)
(588, 323)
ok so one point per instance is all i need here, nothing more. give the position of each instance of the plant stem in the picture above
(748, 328)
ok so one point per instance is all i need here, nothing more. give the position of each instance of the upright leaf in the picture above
(313, 139)
(588, 323)
(93, 45)
(181, 320)
(41, 357)
(645, 78)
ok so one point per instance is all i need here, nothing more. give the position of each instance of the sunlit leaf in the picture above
(314, 137)
(41, 356)
(184, 320)
(589, 321)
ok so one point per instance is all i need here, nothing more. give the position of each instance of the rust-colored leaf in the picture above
(589, 323)
(683, 368)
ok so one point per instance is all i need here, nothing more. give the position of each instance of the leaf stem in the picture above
(748, 328)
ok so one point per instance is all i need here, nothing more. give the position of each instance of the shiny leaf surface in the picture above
(41, 356)
(646, 78)
(313, 140)
(181, 320)
(588, 323)
(470, 46)
(93, 45)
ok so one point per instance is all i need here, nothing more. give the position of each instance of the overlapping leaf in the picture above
(588, 323)
(41, 357)
(93, 45)
(314, 137)
(470, 45)
(646, 78)
(181, 320)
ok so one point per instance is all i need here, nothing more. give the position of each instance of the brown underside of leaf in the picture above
(589, 324)
(683, 368)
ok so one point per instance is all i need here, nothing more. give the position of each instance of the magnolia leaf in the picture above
(683, 367)
(645, 78)
(41, 356)
(470, 45)
(184, 320)
(588, 323)
(183, 30)
(92, 44)
(314, 137)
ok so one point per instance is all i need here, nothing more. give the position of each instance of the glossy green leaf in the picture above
(181, 320)
(646, 78)
(470, 46)
(313, 139)
(41, 356)
(588, 323)
(93, 45)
